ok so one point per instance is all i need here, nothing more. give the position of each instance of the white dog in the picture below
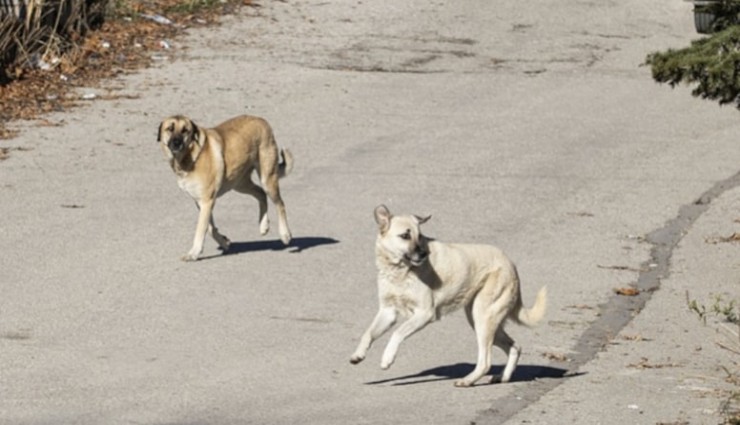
(424, 279)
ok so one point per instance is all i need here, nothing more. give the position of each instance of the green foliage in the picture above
(712, 63)
(729, 310)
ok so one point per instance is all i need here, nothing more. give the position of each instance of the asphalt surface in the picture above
(531, 126)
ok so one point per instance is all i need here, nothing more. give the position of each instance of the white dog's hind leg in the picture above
(486, 319)
(383, 321)
(504, 342)
(416, 322)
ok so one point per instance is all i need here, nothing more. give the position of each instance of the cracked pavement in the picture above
(530, 126)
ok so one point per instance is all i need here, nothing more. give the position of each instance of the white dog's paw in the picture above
(356, 358)
(386, 363)
(463, 383)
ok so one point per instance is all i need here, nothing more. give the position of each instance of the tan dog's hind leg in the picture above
(204, 220)
(270, 183)
(248, 187)
(383, 321)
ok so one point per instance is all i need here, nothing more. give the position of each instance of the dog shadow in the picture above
(296, 245)
(523, 373)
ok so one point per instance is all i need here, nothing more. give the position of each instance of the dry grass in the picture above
(60, 45)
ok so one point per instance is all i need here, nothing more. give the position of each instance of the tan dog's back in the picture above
(212, 161)
(246, 141)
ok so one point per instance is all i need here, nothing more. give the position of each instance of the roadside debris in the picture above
(644, 363)
(735, 237)
(157, 18)
(134, 35)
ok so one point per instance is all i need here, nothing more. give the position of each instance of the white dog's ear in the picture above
(423, 220)
(383, 218)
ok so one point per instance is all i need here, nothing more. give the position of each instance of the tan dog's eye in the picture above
(171, 127)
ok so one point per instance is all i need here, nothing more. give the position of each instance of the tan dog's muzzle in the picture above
(176, 144)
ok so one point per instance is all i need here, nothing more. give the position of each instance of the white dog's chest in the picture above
(406, 297)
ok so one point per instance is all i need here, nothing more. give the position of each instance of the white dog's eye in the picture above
(405, 236)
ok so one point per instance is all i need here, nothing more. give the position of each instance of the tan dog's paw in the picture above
(224, 244)
(286, 238)
(189, 257)
(264, 226)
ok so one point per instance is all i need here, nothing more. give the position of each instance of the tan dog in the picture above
(209, 162)
(423, 279)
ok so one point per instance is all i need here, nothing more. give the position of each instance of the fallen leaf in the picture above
(627, 292)
(558, 357)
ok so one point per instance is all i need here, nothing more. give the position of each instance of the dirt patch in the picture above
(134, 35)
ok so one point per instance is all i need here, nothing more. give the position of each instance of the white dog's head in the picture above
(400, 237)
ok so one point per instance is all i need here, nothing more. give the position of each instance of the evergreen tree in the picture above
(712, 63)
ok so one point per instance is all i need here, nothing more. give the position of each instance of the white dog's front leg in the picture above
(415, 323)
(204, 218)
(385, 318)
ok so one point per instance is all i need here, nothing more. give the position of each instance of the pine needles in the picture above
(713, 64)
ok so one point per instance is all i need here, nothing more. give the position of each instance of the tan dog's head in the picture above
(178, 134)
(400, 237)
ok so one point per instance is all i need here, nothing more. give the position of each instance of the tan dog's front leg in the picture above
(204, 218)
(383, 321)
(223, 242)
(415, 323)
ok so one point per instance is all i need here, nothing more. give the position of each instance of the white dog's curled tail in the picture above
(286, 163)
(531, 316)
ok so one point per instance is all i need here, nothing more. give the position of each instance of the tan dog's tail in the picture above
(531, 316)
(286, 162)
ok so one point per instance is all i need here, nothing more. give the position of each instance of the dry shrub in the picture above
(38, 32)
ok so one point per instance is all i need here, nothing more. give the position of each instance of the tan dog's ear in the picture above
(159, 132)
(383, 218)
(196, 134)
(422, 220)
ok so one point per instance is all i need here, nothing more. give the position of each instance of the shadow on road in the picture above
(296, 245)
(523, 373)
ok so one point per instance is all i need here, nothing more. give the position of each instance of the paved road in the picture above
(529, 125)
